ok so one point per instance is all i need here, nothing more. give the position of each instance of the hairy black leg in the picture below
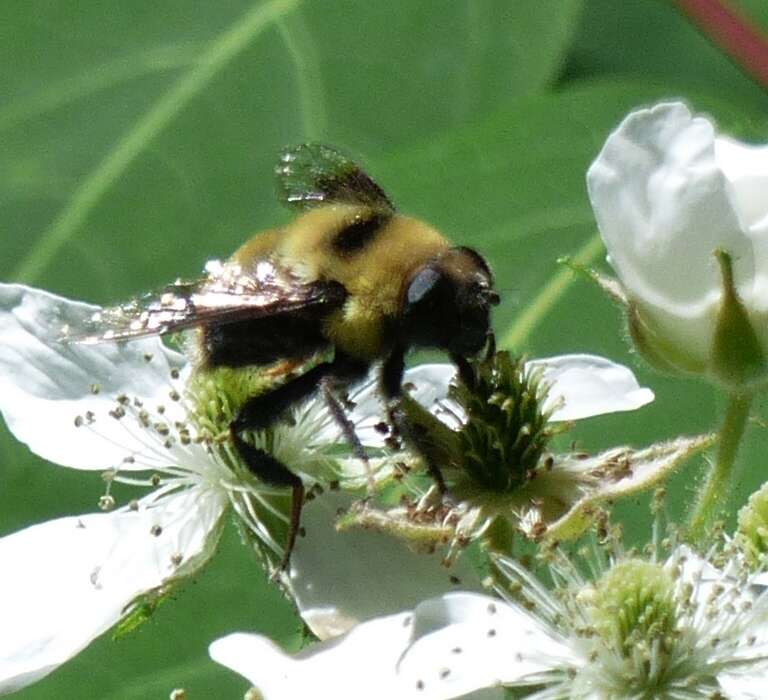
(466, 372)
(347, 428)
(346, 370)
(261, 411)
(273, 472)
(392, 374)
(391, 386)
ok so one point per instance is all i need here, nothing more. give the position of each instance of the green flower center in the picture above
(215, 396)
(633, 608)
(506, 431)
(218, 394)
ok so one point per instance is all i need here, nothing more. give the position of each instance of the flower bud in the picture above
(683, 215)
(752, 532)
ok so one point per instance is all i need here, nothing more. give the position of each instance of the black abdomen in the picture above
(261, 341)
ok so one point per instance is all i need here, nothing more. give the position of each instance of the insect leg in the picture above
(391, 386)
(260, 412)
(272, 471)
(263, 410)
(466, 373)
(347, 428)
(346, 370)
(464, 366)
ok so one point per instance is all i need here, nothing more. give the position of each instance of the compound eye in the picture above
(421, 285)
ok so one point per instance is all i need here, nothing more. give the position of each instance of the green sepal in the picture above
(610, 286)
(738, 360)
(141, 609)
(656, 350)
(423, 534)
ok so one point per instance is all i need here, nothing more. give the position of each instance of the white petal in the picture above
(359, 665)
(362, 664)
(744, 685)
(663, 205)
(708, 583)
(429, 385)
(692, 567)
(465, 641)
(341, 578)
(589, 385)
(746, 168)
(429, 382)
(45, 384)
(760, 580)
(66, 581)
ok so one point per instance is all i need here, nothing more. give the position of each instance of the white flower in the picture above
(676, 628)
(125, 409)
(683, 215)
(580, 386)
(497, 460)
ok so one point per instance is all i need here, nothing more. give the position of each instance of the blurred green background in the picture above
(137, 140)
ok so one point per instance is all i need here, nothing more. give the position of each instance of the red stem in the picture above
(733, 33)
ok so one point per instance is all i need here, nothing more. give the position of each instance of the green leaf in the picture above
(186, 112)
(652, 40)
(520, 179)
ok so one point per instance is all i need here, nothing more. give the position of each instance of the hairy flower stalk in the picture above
(715, 489)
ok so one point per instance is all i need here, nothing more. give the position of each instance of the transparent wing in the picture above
(226, 295)
(312, 174)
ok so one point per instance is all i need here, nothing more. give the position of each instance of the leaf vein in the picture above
(220, 53)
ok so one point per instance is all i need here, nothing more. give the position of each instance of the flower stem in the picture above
(732, 33)
(716, 486)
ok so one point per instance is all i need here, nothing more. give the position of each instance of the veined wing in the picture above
(227, 294)
(312, 174)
